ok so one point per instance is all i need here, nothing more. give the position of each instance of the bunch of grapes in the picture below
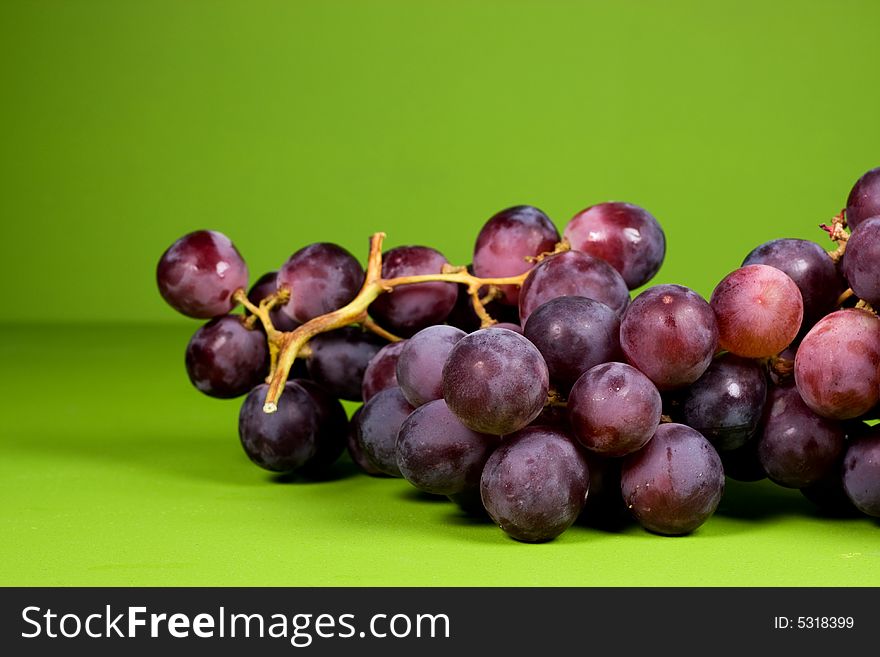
(531, 387)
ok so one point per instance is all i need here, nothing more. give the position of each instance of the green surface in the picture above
(142, 481)
(127, 124)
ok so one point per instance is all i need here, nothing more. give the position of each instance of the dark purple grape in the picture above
(860, 262)
(624, 235)
(332, 428)
(572, 273)
(614, 409)
(381, 372)
(224, 359)
(811, 269)
(507, 240)
(380, 422)
(339, 358)
(725, 404)
(836, 367)
(198, 274)
(535, 484)
(669, 333)
(864, 199)
(283, 441)
(495, 381)
(573, 334)
(759, 311)
(420, 366)
(470, 502)
(742, 463)
(861, 473)
(409, 308)
(265, 286)
(355, 451)
(321, 278)
(438, 454)
(674, 483)
(796, 447)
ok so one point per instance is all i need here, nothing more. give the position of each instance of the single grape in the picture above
(283, 441)
(864, 199)
(321, 277)
(339, 358)
(265, 286)
(743, 463)
(506, 241)
(861, 258)
(572, 273)
(198, 274)
(624, 235)
(725, 404)
(573, 334)
(614, 409)
(796, 447)
(495, 381)
(811, 269)
(225, 359)
(836, 367)
(381, 372)
(380, 422)
(669, 333)
(420, 366)
(861, 473)
(330, 440)
(759, 311)
(535, 484)
(410, 308)
(674, 483)
(438, 454)
(355, 451)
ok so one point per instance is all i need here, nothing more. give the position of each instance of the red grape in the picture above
(321, 278)
(225, 359)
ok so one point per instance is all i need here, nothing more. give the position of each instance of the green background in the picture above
(124, 125)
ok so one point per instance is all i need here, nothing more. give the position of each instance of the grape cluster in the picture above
(530, 386)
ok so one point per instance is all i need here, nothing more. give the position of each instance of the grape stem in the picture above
(285, 346)
(837, 232)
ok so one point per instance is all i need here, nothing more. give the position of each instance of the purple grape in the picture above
(355, 451)
(507, 239)
(438, 454)
(614, 409)
(669, 333)
(864, 199)
(836, 367)
(796, 447)
(495, 381)
(380, 422)
(535, 484)
(381, 372)
(224, 359)
(330, 440)
(283, 441)
(742, 463)
(725, 404)
(861, 258)
(198, 274)
(759, 311)
(811, 269)
(674, 483)
(861, 473)
(623, 235)
(339, 359)
(420, 366)
(321, 278)
(410, 308)
(572, 273)
(265, 286)
(573, 334)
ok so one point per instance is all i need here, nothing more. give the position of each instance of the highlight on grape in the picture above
(528, 386)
